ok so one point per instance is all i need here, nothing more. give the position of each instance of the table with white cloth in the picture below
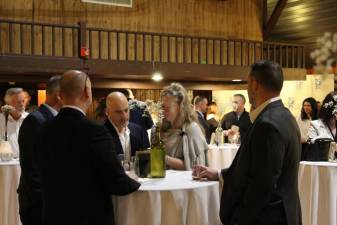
(9, 181)
(318, 192)
(220, 157)
(176, 199)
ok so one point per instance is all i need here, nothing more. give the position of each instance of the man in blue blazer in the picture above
(30, 198)
(261, 185)
(128, 137)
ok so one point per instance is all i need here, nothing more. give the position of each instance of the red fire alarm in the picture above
(84, 52)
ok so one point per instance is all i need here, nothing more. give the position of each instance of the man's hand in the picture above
(205, 172)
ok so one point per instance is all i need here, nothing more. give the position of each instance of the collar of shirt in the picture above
(51, 109)
(23, 116)
(125, 132)
(201, 114)
(74, 107)
(256, 112)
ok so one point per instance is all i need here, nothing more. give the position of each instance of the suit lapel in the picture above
(115, 137)
(46, 112)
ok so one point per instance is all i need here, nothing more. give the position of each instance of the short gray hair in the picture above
(11, 92)
(53, 84)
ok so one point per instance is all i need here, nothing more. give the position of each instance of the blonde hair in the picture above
(186, 114)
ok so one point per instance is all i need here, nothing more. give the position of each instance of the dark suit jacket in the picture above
(79, 171)
(203, 122)
(137, 138)
(29, 189)
(264, 172)
(231, 119)
(146, 122)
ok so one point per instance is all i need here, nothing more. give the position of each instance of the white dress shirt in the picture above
(13, 127)
(124, 138)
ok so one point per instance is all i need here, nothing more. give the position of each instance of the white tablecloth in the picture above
(318, 192)
(9, 180)
(220, 157)
(176, 199)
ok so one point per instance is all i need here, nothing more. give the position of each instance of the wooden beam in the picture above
(35, 68)
(280, 5)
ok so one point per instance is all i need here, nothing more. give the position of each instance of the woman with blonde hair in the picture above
(184, 141)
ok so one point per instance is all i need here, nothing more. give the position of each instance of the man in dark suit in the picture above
(238, 117)
(261, 186)
(200, 107)
(128, 137)
(77, 161)
(30, 197)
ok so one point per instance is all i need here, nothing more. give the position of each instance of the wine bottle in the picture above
(157, 155)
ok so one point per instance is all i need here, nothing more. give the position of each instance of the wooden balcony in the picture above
(34, 51)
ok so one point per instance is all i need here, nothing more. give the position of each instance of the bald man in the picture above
(128, 137)
(77, 161)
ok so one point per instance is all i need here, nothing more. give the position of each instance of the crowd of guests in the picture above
(260, 187)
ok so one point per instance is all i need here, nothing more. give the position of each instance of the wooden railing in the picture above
(54, 40)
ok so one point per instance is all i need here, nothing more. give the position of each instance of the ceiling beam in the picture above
(280, 5)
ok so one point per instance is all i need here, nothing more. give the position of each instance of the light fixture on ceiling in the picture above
(156, 75)
(236, 80)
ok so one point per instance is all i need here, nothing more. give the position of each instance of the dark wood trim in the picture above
(32, 67)
(280, 5)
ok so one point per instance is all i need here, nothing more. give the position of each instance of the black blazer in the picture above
(145, 121)
(203, 122)
(29, 189)
(137, 138)
(262, 180)
(243, 122)
(79, 171)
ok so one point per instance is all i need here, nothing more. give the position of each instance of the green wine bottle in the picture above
(157, 157)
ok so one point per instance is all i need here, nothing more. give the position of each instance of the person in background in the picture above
(261, 185)
(184, 141)
(139, 113)
(29, 190)
(200, 107)
(77, 161)
(212, 116)
(318, 103)
(15, 98)
(325, 126)
(238, 117)
(308, 113)
(128, 137)
(100, 111)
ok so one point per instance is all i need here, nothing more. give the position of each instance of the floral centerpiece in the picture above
(325, 56)
(6, 110)
(6, 153)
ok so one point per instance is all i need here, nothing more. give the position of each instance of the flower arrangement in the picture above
(332, 105)
(325, 56)
(155, 109)
(6, 110)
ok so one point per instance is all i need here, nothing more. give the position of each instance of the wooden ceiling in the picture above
(303, 21)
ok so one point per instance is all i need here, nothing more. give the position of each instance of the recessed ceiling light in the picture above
(157, 76)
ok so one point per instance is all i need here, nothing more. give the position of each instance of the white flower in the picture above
(334, 98)
(7, 109)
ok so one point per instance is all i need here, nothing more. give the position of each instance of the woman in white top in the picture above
(325, 126)
(308, 113)
(184, 141)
